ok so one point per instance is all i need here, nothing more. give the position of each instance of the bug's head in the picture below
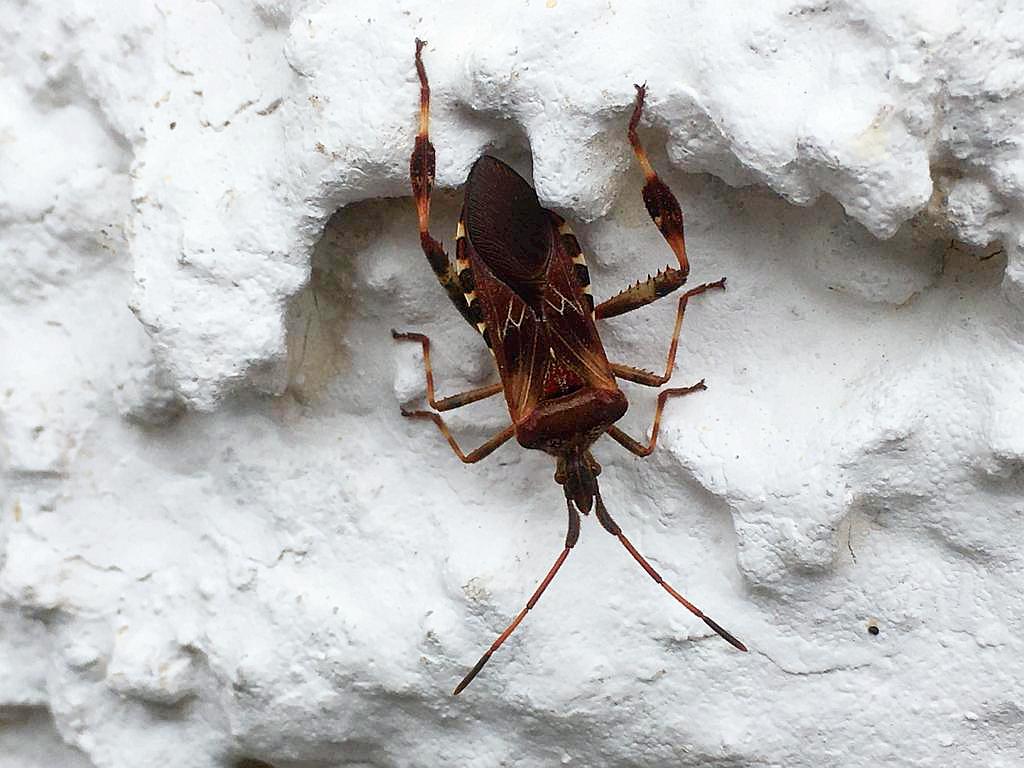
(577, 473)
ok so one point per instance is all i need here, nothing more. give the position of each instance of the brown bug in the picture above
(521, 280)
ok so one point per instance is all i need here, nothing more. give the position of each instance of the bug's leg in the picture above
(658, 198)
(613, 528)
(571, 537)
(653, 288)
(454, 401)
(635, 446)
(473, 456)
(421, 174)
(629, 373)
(664, 209)
(637, 375)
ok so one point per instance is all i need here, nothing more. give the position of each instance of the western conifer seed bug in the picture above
(521, 280)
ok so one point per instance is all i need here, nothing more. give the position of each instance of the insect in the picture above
(521, 279)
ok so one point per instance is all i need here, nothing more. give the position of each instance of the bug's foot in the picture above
(407, 336)
(700, 386)
(705, 287)
(416, 414)
(637, 112)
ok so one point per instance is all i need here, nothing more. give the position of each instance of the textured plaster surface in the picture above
(220, 544)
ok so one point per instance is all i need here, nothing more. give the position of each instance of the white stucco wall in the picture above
(220, 543)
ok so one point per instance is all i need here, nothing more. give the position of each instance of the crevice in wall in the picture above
(30, 739)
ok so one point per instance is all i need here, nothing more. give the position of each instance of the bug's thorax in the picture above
(570, 423)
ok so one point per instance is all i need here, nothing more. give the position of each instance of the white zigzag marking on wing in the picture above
(510, 321)
(561, 308)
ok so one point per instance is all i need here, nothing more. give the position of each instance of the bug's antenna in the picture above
(613, 528)
(570, 541)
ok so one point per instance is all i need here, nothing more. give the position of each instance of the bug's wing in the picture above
(569, 324)
(540, 327)
(509, 230)
(509, 244)
(548, 345)
(516, 336)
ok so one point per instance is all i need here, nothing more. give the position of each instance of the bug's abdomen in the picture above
(468, 282)
(572, 249)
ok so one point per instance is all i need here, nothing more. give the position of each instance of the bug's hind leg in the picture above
(421, 174)
(629, 373)
(453, 401)
(661, 203)
(635, 446)
(653, 288)
(664, 209)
